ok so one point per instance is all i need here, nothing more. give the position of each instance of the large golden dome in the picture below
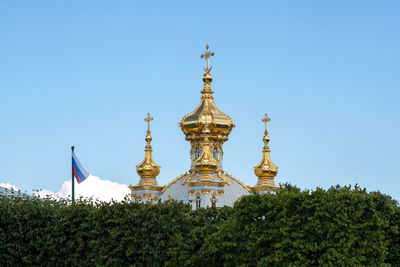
(207, 118)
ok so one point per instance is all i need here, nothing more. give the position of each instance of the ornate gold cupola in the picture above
(207, 128)
(266, 170)
(148, 169)
(219, 124)
(147, 189)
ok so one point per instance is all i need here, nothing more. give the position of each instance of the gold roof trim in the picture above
(188, 178)
(237, 180)
(172, 182)
(221, 176)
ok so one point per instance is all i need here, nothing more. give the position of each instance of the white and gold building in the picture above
(206, 183)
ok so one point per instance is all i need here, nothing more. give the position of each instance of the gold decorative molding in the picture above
(205, 191)
(220, 175)
(191, 192)
(266, 182)
(146, 187)
(237, 180)
(220, 192)
(188, 177)
(210, 183)
(265, 188)
(172, 182)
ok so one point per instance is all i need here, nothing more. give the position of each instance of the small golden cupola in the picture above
(148, 169)
(207, 128)
(266, 170)
(147, 189)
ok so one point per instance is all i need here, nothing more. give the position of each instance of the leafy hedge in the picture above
(335, 227)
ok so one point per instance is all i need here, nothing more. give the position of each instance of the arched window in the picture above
(213, 202)
(196, 153)
(198, 202)
(215, 154)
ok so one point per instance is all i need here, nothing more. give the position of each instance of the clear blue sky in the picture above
(86, 73)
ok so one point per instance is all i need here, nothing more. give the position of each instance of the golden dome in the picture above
(207, 118)
(148, 169)
(266, 170)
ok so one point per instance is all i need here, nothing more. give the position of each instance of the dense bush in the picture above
(338, 227)
(335, 227)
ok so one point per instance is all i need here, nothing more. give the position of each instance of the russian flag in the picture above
(77, 170)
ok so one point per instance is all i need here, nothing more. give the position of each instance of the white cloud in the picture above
(93, 186)
(49, 194)
(9, 186)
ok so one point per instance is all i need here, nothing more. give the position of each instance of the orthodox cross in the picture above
(148, 119)
(266, 120)
(207, 55)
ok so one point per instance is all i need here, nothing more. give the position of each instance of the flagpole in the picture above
(72, 177)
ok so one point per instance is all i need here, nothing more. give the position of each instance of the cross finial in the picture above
(266, 120)
(207, 55)
(148, 119)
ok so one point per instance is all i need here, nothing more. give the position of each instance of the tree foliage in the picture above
(336, 227)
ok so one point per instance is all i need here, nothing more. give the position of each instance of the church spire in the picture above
(266, 170)
(148, 169)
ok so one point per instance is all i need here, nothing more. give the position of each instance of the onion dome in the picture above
(266, 170)
(148, 169)
(207, 118)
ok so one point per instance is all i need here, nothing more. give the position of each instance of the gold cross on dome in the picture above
(207, 55)
(148, 119)
(266, 120)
